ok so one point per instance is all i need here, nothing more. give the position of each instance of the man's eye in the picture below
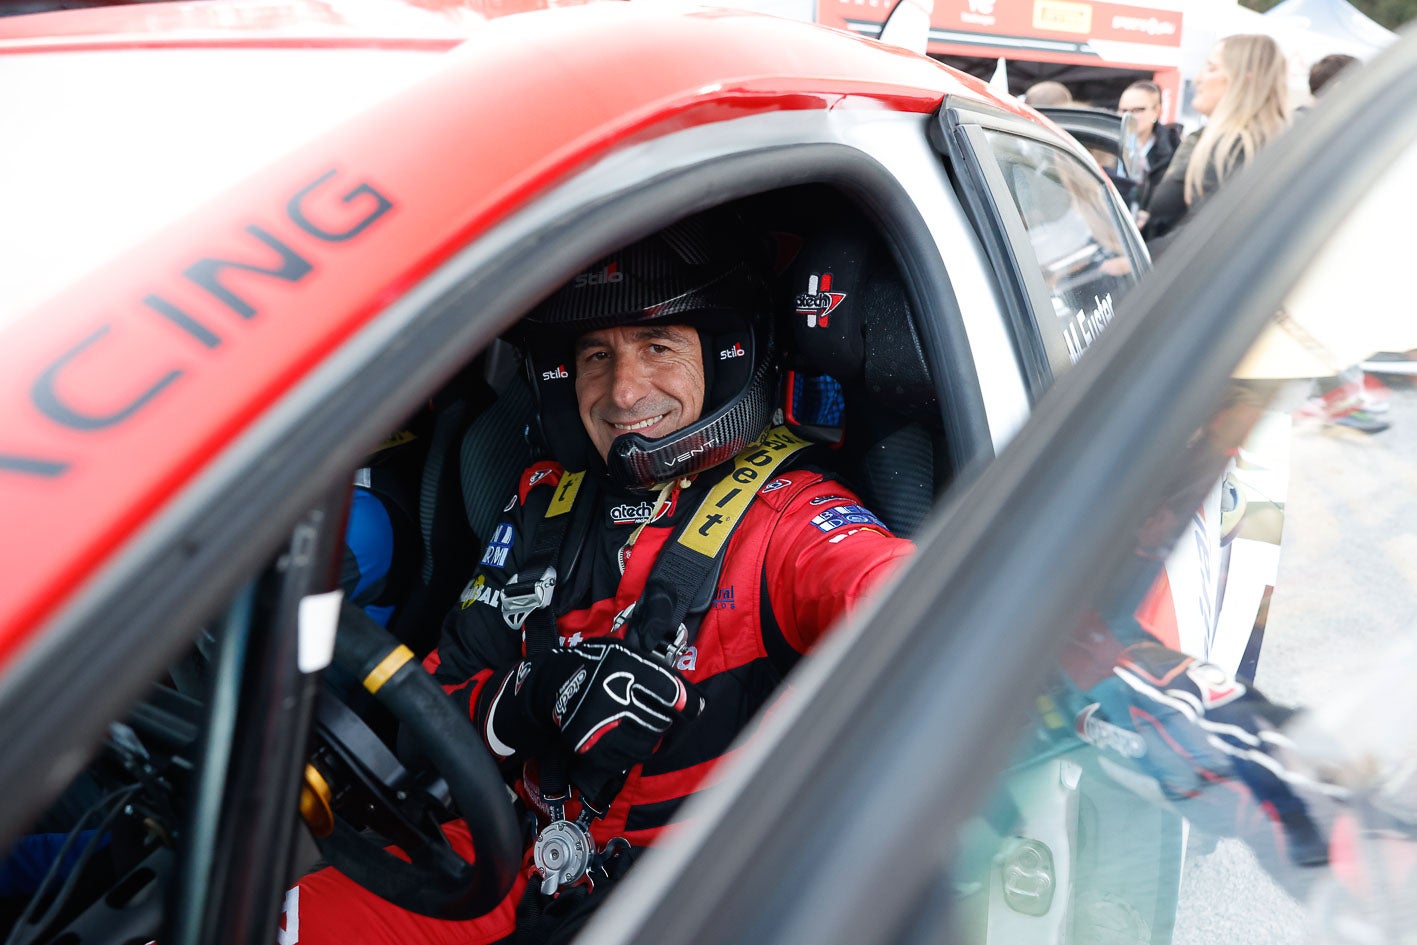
(659, 349)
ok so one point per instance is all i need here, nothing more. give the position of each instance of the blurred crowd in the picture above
(1242, 92)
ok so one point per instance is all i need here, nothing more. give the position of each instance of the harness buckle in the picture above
(667, 650)
(520, 598)
(563, 855)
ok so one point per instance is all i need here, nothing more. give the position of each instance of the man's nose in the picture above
(629, 382)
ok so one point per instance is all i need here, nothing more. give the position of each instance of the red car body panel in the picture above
(115, 393)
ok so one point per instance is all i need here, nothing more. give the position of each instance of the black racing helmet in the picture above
(700, 272)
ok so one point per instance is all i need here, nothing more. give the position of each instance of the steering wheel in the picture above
(355, 772)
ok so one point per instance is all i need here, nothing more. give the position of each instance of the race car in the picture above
(247, 240)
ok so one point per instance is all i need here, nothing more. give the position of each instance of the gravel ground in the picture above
(1347, 589)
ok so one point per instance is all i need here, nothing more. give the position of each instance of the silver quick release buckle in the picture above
(562, 855)
(668, 650)
(519, 599)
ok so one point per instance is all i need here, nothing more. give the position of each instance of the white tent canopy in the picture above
(1307, 30)
(1335, 22)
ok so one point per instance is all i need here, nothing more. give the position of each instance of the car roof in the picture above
(126, 376)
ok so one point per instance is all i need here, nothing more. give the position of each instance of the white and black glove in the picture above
(600, 700)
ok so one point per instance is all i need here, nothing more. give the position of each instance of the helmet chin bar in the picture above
(637, 462)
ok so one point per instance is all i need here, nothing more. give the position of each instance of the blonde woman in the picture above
(1243, 90)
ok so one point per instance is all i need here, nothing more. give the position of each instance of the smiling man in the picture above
(647, 380)
(648, 587)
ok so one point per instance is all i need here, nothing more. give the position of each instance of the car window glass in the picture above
(1077, 239)
(120, 819)
(110, 847)
(1225, 746)
(1106, 159)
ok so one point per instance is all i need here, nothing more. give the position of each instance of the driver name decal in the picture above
(1085, 327)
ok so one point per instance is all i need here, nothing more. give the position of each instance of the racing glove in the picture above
(605, 703)
(1194, 728)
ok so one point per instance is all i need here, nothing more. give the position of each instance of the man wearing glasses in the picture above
(1157, 141)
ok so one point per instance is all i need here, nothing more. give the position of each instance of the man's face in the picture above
(645, 379)
(1144, 108)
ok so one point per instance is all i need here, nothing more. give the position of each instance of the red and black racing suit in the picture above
(804, 553)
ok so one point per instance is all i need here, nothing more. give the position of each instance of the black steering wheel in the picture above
(353, 772)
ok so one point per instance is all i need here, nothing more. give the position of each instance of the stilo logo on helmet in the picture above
(702, 273)
(558, 373)
(604, 276)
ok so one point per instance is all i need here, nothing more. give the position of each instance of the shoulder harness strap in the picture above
(527, 596)
(683, 578)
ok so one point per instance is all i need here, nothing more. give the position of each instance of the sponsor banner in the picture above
(1023, 25)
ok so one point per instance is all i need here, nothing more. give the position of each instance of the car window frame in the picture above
(960, 135)
(233, 518)
(236, 858)
(837, 836)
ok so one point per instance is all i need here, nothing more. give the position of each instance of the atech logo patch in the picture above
(627, 514)
(818, 302)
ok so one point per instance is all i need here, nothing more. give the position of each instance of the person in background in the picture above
(1157, 140)
(1348, 399)
(1243, 91)
(1043, 94)
(1323, 71)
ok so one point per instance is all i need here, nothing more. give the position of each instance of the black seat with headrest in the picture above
(476, 448)
(849, 326)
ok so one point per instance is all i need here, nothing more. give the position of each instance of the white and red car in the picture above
(244, 239)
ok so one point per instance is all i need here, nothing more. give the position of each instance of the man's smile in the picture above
(639, 424)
